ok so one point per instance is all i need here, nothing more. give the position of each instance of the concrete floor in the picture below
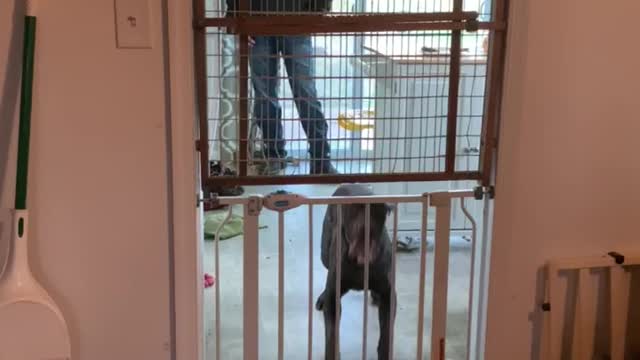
(296, 294)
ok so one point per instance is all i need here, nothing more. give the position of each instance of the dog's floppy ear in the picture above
(390, 207)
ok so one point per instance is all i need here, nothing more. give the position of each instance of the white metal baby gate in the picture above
(281, 202)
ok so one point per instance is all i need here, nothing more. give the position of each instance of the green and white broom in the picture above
(31, 324)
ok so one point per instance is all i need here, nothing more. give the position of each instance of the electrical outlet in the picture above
(133, 27)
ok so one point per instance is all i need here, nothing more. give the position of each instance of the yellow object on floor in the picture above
(357, 121)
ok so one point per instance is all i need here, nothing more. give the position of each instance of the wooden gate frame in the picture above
(245, 25)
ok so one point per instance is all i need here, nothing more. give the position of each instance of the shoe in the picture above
(217, 169)
(271, 167)
(322, 167)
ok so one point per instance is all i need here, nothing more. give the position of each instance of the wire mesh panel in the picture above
(343, 90)
(218, 8)
(471, 100)
(336, 7)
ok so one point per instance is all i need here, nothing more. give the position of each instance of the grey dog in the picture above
(352, 260)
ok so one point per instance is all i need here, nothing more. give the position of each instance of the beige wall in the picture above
(10, 43)
(569, 167)
(567, 184)
(98, 185)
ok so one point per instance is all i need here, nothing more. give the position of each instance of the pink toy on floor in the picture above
(209, 280)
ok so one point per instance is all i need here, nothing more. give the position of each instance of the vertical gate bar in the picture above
(394, 246)
(338, 281)
(584, 323)
(423, 270)
(619, 292)
(474, 238)
(555, 317)
(200, 58)
(243, 90)
(281, 285)
(482, 254)
(365, 309)
(217, 274)
(243, 158)
(442, 202)
(493, 91)
(578, 319)
(545, 337)
(454, 88)
(310, 305)
(588, 311)
(251, 277)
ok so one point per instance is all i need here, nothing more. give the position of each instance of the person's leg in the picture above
(264, 63)
(298, 51)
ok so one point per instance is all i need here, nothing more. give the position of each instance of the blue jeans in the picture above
(265, 62)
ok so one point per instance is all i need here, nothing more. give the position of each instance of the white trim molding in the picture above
(186, 215)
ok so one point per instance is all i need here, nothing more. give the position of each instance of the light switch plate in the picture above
(133, 27)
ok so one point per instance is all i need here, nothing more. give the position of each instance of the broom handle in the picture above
(24, 131)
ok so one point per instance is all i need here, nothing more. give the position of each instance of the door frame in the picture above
(187, 315)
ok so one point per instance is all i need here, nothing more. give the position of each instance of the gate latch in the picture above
(282, 201)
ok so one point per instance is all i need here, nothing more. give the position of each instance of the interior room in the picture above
(119, 178)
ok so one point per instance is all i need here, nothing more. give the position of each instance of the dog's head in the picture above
(355, 231)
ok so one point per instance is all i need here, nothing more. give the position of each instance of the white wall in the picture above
(11, 44)
(569, 166)
(98, 176)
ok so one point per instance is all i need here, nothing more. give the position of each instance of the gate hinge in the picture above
(480, 191)
(212, 201)
(254, 206)
(491, 191)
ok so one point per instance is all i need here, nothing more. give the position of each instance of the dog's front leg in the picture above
(386, 317)
(331, 319)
